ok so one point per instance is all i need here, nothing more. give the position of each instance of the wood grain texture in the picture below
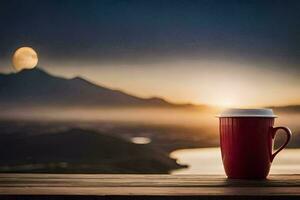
(145, 185)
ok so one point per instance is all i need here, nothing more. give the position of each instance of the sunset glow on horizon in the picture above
(191, 81)
(194, 81)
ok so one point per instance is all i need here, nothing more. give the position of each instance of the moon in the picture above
(24, 58)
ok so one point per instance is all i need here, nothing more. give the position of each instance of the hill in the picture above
(79, 151)
(35, 87)
(289, 108)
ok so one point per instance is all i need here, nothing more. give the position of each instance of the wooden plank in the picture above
(145, 185)
(152, 191)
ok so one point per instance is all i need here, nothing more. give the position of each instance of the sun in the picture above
(227, 103)
(25, 58)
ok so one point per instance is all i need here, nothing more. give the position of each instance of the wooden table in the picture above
(72, 186)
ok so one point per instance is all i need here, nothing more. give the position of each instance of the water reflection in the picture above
(140, 140)
(208, 161)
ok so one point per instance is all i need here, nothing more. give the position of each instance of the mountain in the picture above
(79, 151)
(289, 108)
(36, 87)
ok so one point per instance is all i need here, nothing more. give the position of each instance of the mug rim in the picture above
(238, 116)
(238, 112)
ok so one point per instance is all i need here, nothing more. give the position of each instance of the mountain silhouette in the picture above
(35, 87)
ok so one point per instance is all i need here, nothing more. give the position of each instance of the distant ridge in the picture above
(288, 108)
(35, 87)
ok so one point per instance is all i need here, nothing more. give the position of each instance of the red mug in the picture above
(247, 140)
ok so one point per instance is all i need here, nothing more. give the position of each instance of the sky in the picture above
(229, 53)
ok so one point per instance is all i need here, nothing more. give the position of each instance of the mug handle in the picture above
(288, 137)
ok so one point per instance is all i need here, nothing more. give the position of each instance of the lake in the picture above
(208, 161)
